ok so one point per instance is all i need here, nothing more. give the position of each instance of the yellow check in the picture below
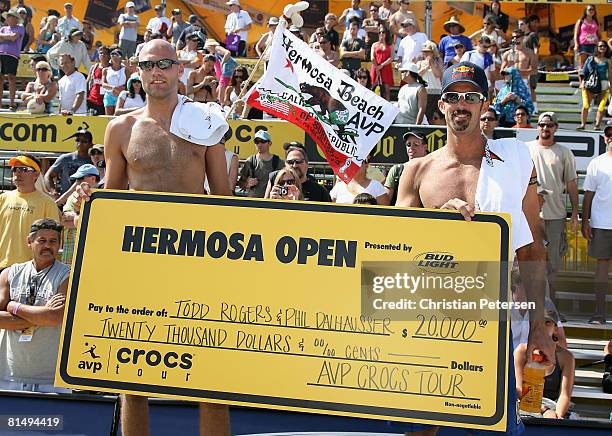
(371, 312)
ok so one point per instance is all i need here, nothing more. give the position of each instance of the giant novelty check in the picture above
(372, 312)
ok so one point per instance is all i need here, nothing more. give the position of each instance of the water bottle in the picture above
(533, 385)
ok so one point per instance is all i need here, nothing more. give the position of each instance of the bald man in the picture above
(141, 153)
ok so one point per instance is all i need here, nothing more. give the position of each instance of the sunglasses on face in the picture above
(22, 170)
(544, 125)
(487, 119)
(294, 161)
(286, 182)
(469, 97)
(42, 69)
(602, 46)
(162, 64)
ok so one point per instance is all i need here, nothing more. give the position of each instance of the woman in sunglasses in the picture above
(113, 81)
(382, 55)
(39, 94)
(232, 92)
(601, 65)
(287, 186)
(513, 93)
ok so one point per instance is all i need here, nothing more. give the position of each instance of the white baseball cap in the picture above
(130, 5)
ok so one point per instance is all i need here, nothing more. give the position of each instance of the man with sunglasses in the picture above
(472, 173)
(296, 158)
(556, 169)
(145, 150)
(488, 122)
(32, 297)
(256, 170)
(20, 208)
(597, 222)
(521, 118)
(68, 163)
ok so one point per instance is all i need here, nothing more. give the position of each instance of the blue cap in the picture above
(85, 170)
(466, 72)
(263, 135)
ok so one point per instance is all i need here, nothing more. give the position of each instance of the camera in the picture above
(283, 191)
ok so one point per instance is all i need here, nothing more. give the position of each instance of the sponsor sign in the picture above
(291, 309)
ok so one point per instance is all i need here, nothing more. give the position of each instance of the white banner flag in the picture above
(345, 119)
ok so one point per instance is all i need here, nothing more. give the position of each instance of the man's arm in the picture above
(78, 101)
(587, 201)
(532, 264)
(408, 188)
(7, 320)
(51, 175)
(216, 170)
(572, 189)
(49, 315)
(422, 103)
(116, 165)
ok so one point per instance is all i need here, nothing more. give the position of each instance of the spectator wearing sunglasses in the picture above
(256, 170)
(38, 95)
(32, 298)
(296, 159)
(20, 208)
(521, 118)
(556, 170)
(68, 163)
(287, 185)
(488, 122)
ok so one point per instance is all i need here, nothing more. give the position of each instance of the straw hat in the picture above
(451, 21)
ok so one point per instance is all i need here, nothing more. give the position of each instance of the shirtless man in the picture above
(202, 82)
(143, 155)
(448, 179)
(521, 57)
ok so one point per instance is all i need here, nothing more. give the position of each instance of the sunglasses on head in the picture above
(162, 64)
(469, 97)
(22, 170)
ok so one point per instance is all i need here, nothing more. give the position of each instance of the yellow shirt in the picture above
(17, 213)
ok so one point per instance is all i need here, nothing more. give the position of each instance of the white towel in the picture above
(199, 123)
(502, 184)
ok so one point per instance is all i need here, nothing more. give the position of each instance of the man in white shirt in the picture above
(597, 222)
(68, 22)
(481, 57)
(72, 88)
(159, 23)
(128, 34)
(410, 47)
(238, 22)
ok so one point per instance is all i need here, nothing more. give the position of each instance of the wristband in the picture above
(16, 308)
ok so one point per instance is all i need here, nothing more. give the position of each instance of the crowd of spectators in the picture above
(386, 35)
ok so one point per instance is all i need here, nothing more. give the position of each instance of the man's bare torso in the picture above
(158, 160)
(520, 59)
(203, 95)
(439, 178)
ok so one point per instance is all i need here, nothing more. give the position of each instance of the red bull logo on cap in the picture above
(462, 72)
(462, 69)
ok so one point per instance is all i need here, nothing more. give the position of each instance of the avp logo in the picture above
(437, 262)
(93, 366)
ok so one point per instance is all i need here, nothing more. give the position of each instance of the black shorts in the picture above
(9, 64)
